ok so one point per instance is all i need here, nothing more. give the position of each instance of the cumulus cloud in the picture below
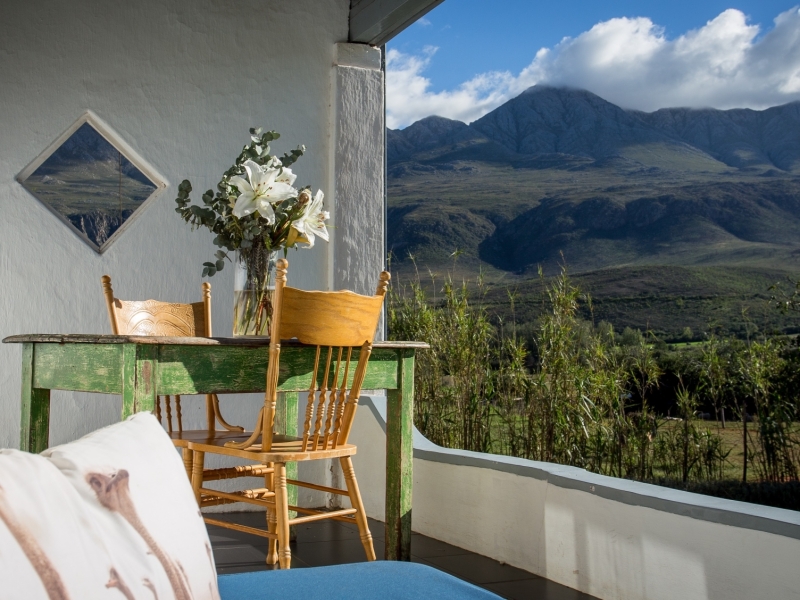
(409, 99)
(628, 61)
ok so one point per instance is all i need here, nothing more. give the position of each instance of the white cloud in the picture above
(629, 62)
(409, 99)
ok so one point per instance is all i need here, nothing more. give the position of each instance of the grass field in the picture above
(664, 300)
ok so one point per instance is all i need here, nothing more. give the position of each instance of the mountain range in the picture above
(563, 123)
(563, 171)
(559, 175)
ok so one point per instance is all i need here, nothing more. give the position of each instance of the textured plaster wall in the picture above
(552, 523)
(181, 82)
(359, 124)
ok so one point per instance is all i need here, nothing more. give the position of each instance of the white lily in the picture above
(312, 222)
(262, 189)
(286, 176)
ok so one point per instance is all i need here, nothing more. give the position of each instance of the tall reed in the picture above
(584, 403)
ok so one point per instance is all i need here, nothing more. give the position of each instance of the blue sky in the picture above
(703, 53)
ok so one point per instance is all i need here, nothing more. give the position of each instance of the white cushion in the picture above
(111, 515)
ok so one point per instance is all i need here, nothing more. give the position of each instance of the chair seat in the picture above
(284, 448)
(182, 438)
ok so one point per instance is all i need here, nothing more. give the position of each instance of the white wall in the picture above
(610, 538)
(181, 82)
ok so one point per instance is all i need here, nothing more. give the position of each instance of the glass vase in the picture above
(253, 287)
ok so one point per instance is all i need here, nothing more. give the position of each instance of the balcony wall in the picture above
(612, 538)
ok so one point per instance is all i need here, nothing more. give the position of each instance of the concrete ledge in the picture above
(696, 506)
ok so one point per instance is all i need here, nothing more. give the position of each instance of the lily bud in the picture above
(303, 198)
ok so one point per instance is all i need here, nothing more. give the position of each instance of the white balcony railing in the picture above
(612, 538)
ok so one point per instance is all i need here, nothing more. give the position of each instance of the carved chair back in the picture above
(153, 317)
(342, 327)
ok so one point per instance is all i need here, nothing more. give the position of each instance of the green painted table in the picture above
(141, 368)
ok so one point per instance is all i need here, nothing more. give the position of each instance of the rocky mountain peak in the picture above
(547, 120)
(426, 134)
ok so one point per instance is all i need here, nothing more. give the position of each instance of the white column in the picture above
(358, 233)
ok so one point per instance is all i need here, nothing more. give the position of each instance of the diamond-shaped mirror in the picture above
(87, 178)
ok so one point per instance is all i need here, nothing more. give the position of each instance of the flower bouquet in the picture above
(256, 212)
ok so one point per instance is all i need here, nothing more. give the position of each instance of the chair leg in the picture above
(198, 462)
(272, 520)
(187, 462)
(282, 510)
(355, 500)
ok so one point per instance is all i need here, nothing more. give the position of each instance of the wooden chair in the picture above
(341, 325)
(152, 317)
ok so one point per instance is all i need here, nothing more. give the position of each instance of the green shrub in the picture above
(564, 390)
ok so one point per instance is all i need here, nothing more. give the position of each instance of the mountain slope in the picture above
(546, 120)
(427, 134)
(740, 138)
(563, 172)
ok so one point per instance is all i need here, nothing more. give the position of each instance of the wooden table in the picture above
(141, 368)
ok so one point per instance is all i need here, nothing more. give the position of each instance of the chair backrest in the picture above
(342, 327)
(153, 317)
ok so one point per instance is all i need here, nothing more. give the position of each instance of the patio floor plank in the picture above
(332, 543)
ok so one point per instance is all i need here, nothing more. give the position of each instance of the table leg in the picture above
(399, 459)
(34, 430)
(286, 423)
(140, 362)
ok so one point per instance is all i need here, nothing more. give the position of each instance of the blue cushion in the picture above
(386, 580)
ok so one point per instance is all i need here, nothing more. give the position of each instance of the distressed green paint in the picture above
(34, 434)
(85, 367)
(128, 380)
(399, 460)
(39, 437)
(200, 369)
(144, 390)
(286, 423)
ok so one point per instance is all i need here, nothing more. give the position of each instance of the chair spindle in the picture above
(332, 401)
(178, 413)
(340, 402)
(310, 404)
(321, 404)
(169, 413)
